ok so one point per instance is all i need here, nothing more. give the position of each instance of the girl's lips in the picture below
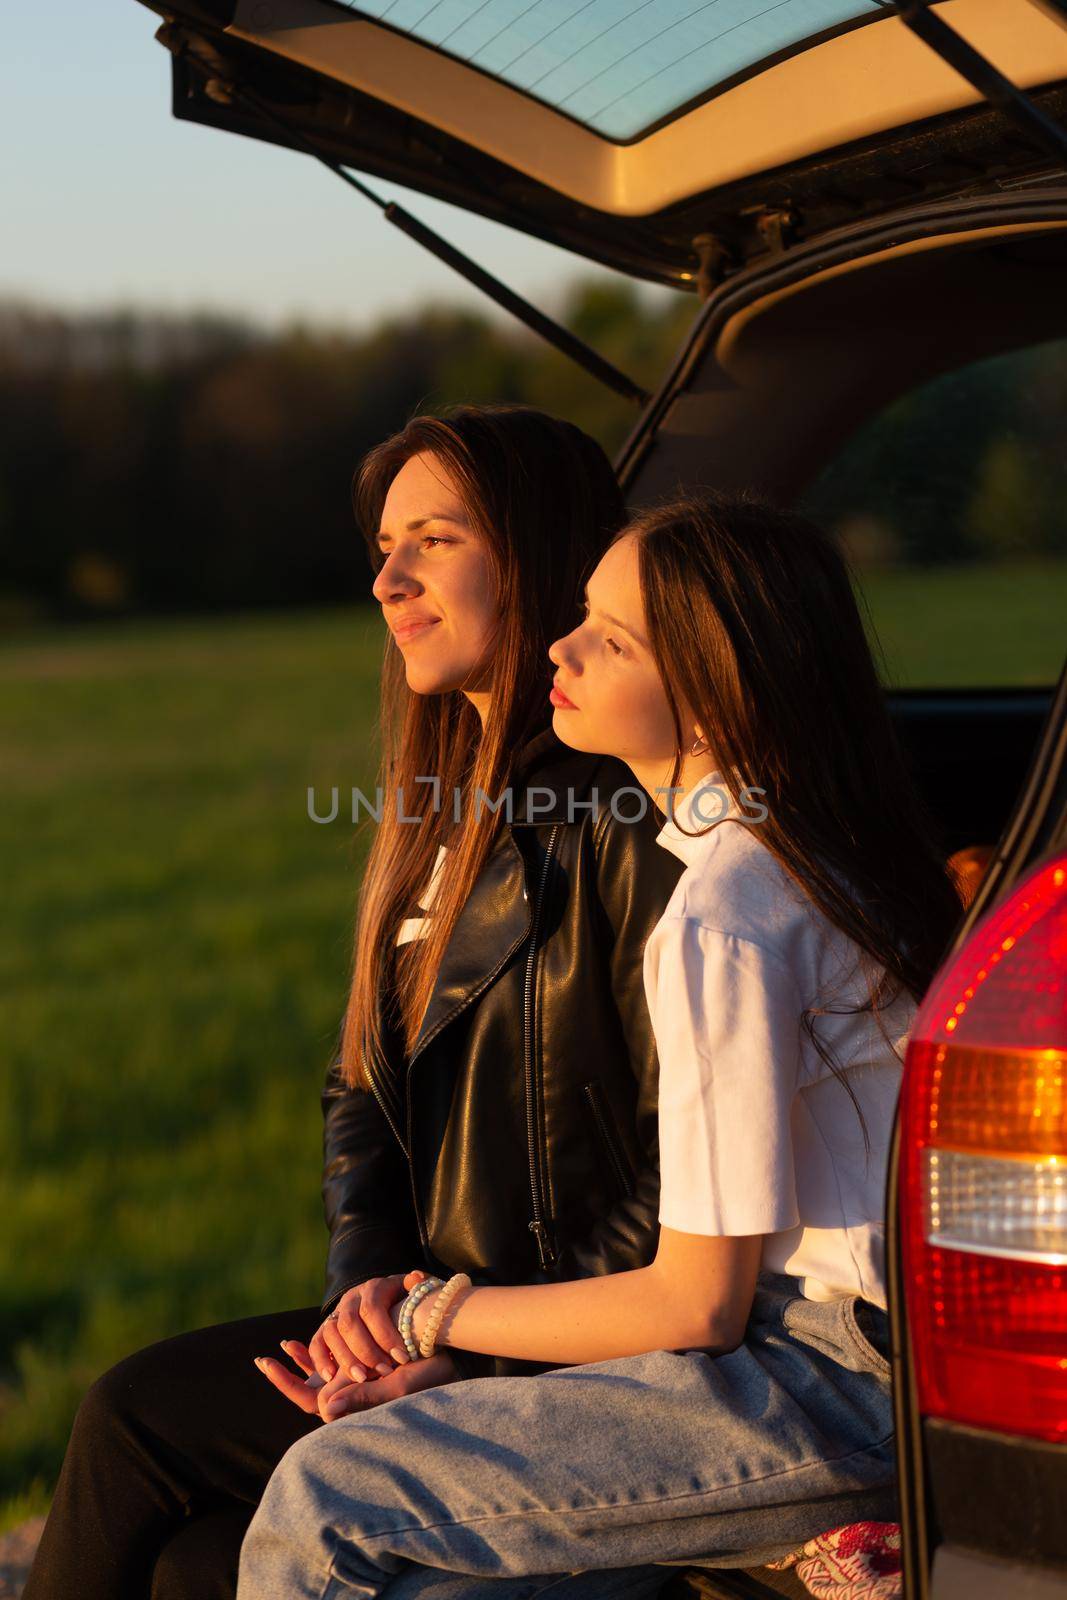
(409, 630)
(558, 698)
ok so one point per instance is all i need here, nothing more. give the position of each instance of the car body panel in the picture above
(994, 1499)
(960, 1574)
(852, 320)
(844, 128)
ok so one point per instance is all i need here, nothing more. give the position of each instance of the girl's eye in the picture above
(583, 606)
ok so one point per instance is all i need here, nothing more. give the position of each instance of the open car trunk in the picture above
(787, 362)
(671, 141)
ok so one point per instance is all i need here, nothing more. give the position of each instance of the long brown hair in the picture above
(543, 496)
(754, 624)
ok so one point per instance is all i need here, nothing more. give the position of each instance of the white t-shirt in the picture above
(756, 1134)
(417, 927)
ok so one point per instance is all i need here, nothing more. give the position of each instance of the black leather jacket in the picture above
(518, 1140)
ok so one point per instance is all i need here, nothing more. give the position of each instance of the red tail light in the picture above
(984, 1171)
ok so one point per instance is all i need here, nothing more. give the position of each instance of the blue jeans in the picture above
(589, 1481)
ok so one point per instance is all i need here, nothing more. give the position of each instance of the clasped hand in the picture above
(357, 1359)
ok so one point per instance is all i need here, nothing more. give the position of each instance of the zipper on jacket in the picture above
(539, 1226)
(373, 1085)
(594, 1093)
(385, 1110)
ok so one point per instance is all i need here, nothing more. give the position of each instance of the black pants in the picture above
(168, 1457)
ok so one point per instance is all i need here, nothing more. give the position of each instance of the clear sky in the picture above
(105, 199)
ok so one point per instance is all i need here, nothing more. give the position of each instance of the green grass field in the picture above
(175, 952)
(972, 626)
(173, 971)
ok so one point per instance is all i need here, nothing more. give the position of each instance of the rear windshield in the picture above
(619, 66)
(952, 507)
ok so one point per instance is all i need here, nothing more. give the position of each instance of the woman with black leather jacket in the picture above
(547, 1170)
(491, 1106)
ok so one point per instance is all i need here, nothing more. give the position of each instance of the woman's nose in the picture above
(392, 582)
(559, 653)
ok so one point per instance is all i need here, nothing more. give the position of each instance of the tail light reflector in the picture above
(984, 1170)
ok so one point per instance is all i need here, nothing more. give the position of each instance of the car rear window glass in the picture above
(951, 505)
(619, 66)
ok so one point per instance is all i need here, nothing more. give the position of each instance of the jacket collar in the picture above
(697, 811)
(533, 752)
(548, 777)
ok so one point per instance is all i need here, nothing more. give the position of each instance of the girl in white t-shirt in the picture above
(731, 1400)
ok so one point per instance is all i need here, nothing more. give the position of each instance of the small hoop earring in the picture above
(699, 747)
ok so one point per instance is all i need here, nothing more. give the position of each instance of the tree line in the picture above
(157, 464)
(166, 464)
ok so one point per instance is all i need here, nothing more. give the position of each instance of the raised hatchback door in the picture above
(658, 138)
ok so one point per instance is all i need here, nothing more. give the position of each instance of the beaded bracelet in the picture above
(427, 1344)
(407, 1311)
